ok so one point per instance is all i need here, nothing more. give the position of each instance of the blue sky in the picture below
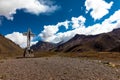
(57, 20)
(22, 20)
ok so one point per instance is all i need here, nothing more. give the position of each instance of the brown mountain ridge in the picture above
(43, 46)
(8, 48)
(105, 42)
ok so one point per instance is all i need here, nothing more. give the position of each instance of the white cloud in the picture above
(114, 17)
(107, 25)
(9, 7)
(78, 22)
(50, 30)
(19, 39)
(49, 34)
(99, 8)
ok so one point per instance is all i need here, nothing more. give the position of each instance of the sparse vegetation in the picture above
(45, 54)
(89, 55)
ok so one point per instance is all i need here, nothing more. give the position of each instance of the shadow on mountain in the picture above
(104, 42)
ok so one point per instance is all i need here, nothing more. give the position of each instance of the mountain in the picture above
(8, 48)
(115, 49)
(43, 46)
(102, 42)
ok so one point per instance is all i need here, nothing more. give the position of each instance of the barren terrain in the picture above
(58, 68)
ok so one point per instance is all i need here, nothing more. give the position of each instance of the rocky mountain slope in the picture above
(102, 42)
(109, 42)
(8, 48)
(43, 46)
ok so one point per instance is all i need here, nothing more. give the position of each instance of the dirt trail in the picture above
(56, 68)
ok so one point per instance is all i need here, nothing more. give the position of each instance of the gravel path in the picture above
(56, 68)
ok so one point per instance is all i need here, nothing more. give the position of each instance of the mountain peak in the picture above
(101, 42)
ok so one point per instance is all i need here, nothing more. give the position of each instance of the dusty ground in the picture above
(57, 68)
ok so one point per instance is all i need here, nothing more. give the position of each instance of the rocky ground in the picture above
(58, 68)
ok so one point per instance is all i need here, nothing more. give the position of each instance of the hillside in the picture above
(102, 42)
(43, 46)
(8, 48)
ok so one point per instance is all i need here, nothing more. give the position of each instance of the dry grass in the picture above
(10, 55)
(44, 54)
(112, 58)
(92, 55)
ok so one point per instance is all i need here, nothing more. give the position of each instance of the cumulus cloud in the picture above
(98, 8)
(51, 34)
(8, 7)
(19, 39)
(78, 22)
(50, 30)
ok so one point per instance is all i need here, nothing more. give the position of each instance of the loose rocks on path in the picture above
(56, 68)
